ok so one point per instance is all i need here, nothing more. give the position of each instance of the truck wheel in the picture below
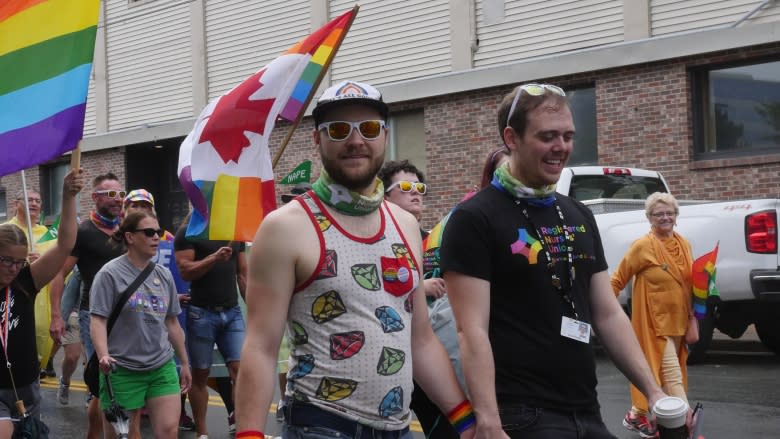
(768, 328)
(706, 327)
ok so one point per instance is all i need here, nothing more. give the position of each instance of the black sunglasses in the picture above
(151, 232)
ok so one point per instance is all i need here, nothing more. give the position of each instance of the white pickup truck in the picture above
(748, 269)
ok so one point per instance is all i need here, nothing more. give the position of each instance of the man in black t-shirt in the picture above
(217, 272)
(93, 249)
(526, 275)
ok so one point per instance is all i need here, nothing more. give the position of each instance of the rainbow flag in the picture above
(704, 282)
(224, 163)
(431, 245)
(46, 52)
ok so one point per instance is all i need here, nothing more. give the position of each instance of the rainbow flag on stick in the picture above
(46, 50)
(704, 282)
(224, 163)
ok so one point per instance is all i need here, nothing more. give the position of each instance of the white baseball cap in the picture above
(349, 92)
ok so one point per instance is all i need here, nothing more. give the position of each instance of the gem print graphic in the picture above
(392, 403)
(329, 265)
(334, 389)
(389, 319)
(327, 307)
(346, 344)
(299, 335)
(367, 276)
(304, 366)
(400, 251)
(391, 361)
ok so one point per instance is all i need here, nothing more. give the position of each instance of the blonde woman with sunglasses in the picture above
(20, 282)
(138, 353)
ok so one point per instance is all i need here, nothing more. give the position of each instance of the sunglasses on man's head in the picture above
(339, 130)
(533, 90)
(7, 261)
(150, 232)
(408, 186)
(112, 193)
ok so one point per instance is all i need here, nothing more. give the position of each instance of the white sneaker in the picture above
(203, 436)
(63, 393)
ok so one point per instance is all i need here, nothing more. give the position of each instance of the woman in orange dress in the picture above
(660, 263)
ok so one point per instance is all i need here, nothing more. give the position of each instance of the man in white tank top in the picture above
(339, 269)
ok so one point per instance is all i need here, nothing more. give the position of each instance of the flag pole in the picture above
(31, 240)
(75, 157)
(314, 88)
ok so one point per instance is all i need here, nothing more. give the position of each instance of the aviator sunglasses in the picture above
(150, 232)
(533, 90)
(408, 186)
(339, 130)
(112, 193)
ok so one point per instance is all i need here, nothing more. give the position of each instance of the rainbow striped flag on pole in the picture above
(224, 163)
(46, 50)
(704, 272)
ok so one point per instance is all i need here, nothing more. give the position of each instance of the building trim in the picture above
(569, 63)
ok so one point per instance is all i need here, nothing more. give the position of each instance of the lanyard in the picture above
(568, 244)
(6, 325)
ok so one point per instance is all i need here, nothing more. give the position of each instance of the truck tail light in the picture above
(761, 232)
(616, 171)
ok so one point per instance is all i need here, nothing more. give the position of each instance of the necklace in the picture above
(568, 244)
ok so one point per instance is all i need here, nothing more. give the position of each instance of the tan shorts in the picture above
(72, 335)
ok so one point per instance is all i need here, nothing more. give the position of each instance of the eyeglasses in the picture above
(112, 193)
(663, 214)
(339, 130)
(10, 262)
(408, 186)
(533, 90)
(150, 232)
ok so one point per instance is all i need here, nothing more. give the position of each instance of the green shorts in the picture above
(132, 388)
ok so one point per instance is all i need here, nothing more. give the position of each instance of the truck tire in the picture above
(768, 328)
(706, 328)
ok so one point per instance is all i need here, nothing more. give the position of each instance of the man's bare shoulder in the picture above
(283, 221)
(404, 218)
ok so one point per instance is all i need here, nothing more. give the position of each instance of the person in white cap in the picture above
(341, 269)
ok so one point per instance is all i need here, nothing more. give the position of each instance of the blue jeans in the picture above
(305, 421)
(204, 328)
(523, 422)
(86, 339)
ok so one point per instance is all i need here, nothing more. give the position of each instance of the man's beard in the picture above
(105, 211)
(353, 183)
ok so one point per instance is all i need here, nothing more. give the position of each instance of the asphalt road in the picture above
(737, 384)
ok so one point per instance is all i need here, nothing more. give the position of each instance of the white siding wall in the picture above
(149, 63)
(393, 40)
(242, 36)
(670, 16)
(536, 28)
(90, 120)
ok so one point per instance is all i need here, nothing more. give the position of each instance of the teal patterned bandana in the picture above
(345, 200)
(503, 180)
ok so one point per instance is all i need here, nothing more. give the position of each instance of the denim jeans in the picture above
(523, 422)
(305, 421)
(204, 328)
(86, 339)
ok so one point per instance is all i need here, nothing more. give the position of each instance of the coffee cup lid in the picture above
(670, 406)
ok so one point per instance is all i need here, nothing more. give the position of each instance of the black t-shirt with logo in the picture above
(93, 248)
(21, 331)
(489, 237)
(218, 286)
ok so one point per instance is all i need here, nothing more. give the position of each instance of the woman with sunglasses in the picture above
(19, 284)
(660, 264)
(138, 354)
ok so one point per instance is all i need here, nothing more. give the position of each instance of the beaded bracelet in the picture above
(462, 416)
(250, 434)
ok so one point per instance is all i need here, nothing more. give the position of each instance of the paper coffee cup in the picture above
(670, 412)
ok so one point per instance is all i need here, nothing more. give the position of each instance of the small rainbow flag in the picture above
(704, 271)
(224, 163)
(431, 245)
(46, 50)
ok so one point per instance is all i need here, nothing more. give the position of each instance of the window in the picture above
(737, 110)
(51, 189)
(583, 108)
(407, 138)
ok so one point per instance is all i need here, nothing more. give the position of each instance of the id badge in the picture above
(575, 329)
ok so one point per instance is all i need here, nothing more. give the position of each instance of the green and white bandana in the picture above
(345, 200)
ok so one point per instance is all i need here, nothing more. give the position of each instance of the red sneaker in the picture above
(641, 425)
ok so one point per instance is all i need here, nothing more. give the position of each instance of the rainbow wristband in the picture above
(462, 416)
(250, 434)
